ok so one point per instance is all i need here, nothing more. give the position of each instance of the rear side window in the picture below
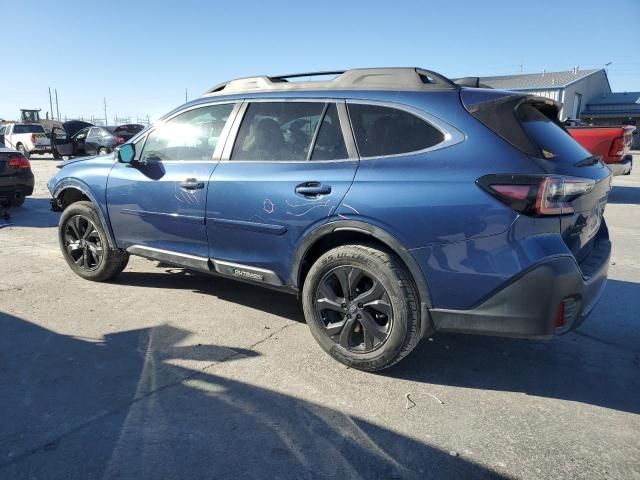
(329, 141)
(277, 131)
(28, 129)
(553, 141)
(381, 131)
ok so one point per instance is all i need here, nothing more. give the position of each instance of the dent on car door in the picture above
(287, 171)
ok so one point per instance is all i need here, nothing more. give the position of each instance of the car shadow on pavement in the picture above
(624, 195)
(35, 212)
(256, 297)
(598, 364)
(126, 406)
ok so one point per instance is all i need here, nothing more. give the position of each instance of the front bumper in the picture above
(623, 167)
(528, 305)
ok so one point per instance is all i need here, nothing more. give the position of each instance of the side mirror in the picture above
(126, 153)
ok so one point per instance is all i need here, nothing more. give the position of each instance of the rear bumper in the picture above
(623, 167)
(528, 305)
(8, 192)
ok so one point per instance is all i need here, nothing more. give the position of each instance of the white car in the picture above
(27, 138)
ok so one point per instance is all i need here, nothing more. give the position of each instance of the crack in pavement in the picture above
(52, 443)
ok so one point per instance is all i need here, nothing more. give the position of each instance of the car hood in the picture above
(74, 126)
(84, 159)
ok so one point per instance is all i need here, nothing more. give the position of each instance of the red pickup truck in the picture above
(613, 144)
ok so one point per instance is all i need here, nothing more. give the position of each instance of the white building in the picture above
(575, 88)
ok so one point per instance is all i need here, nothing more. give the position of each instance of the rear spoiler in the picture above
(470, 82)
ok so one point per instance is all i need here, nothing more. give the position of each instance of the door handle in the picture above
(191, 184)
(313, 189)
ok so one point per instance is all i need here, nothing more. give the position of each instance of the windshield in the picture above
(28, 129)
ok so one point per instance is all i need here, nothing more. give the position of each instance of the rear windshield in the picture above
(554, 142)
(28, 129)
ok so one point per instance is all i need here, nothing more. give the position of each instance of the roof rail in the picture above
(394, 78)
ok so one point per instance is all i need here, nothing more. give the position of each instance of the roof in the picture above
(536, 81)
(619, 98)
(396, 78)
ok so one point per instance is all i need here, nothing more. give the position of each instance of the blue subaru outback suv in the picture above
(395, 202)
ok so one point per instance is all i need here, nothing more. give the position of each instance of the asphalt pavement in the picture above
(167, 374)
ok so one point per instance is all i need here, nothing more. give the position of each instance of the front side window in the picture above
(192, 135)
(381, 131)
(277, 131)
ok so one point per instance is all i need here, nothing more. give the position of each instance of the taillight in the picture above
(18, 161)
(617, 147)
(537, 195)
(33, 138)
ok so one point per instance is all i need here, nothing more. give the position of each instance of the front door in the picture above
(158, 202)
(286, 172)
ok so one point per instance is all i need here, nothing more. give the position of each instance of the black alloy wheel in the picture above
(83, 243)
(355, 309)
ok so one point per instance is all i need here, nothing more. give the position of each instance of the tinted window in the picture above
(329, 142)
(553, 141)
(192, 135)
(28, 129)
(389, 131)
(277, 131)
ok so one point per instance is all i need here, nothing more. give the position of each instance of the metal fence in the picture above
(117, 120)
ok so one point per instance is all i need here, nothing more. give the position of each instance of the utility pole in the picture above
(105, 111)
(57, 108)
(186, 99)
(50, 104)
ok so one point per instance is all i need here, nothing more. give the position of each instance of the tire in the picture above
(81, 249)
(17, 202)
(332, 315)
(103, 151)
(22, 150)
(57, 156)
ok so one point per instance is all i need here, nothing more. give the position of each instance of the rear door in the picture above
(287, 171)
(158, 202)
(92, 142)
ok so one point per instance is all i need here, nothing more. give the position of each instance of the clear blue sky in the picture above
(141, 55)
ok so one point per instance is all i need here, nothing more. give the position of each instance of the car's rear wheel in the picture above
(23, 150)
(84, 244)
(362, 307)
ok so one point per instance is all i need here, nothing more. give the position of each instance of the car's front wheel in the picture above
(84, 244)
(361, 306)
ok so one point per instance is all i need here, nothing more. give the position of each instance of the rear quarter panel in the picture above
(430, 203)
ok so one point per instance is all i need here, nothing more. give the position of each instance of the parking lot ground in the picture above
(168, 374)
